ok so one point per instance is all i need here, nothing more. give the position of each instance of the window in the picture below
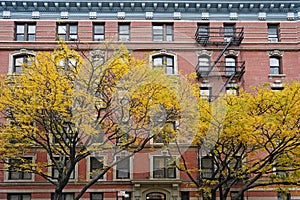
(205, 92)
(123, 195)
(281, 195)
(96, 165)
(19, 196)
(273, 33)
(19, 174)
(67, 32)
(203, 30)
(229, 31)
(96, 196)
(162, 32)
(20, 61)
(234, 195)
(60, 161)
(65, 196)
(203, 65)
(167, 134)
(98, 32)
(207, 167)
(124, 32)
(230, 66)
(164, 61)
(25, 32)
(185, 195)
(164, 167)
(275, 65)
(123, 168)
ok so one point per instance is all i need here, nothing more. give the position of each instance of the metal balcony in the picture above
(219, 35)
(220, 69)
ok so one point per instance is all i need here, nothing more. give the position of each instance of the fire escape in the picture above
(221, 72)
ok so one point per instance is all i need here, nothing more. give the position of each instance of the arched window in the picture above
(18, 60)
(230, 66)
(165, 61)
(275, 67)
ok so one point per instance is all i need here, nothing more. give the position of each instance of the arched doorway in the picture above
(155, 196)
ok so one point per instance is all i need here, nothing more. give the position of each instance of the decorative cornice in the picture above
(276, 52)
(167, 9)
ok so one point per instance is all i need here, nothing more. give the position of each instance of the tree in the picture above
(248, 141)
(68, 106)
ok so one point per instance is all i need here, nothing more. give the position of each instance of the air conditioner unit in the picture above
(273, 39)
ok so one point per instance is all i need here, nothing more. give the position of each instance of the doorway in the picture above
(155, 196)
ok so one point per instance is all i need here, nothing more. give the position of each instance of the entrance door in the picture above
(155, 196)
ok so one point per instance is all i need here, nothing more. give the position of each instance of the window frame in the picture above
(275, 67)
(203, 30)
(123, 35)
(96, 193)
(230, 65)
(90, 168)
(273, 32)
(64, 195)
(20, 173)
(52, 170)
(126, 169)
(169, 67)
(20, 196)
(102, 25)
(164, 35)
(229, 31)
(67, 33)
(168, 172)
(206, 66)
(26, 34)
(210, 169)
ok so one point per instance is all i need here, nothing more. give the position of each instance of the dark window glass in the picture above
(163, 167)
(207, 167)
(96, 165)
(25, 32)
(123, 168)
(65, 196)
(185, 195)
(20, 61)
(96, 196)
(18, 174)
(19, 196)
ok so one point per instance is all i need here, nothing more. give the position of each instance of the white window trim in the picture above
(6, 173)
(75, 170)
(162, 153)
(165, 53)
(88, 163)
(17, 53)
(123, 154)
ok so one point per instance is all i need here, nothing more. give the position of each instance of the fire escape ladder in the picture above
(220, 56)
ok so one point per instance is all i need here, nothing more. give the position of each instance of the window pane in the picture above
(31, 37)
(62, 29)
(274, 62)
(157, 30)
(158, 61)
(20, 38)
(98, 29)
(96, 196)
(124, 37)
(31, 29)
(123, 29)
(274, 71)
(20, 28)
(123, 169)
(169, 29)
(73, 29)
(98, 37)
(230, 62)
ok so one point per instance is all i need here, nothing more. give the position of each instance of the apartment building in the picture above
(231, 45)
